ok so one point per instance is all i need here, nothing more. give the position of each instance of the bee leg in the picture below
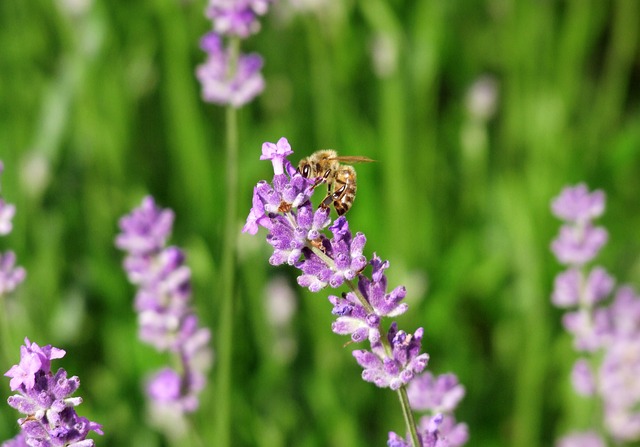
(322, 179)
(326, 202)
(336, 199)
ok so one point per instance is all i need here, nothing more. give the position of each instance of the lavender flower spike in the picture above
(45, 399)
(166, 319)
(223, 85)
(608, 333)
(299, 237)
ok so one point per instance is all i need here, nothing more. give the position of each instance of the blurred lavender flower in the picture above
(578, 243)
(227, 77)
(236, 17)
(45, 399)
(297, 234)
(609, 333)
(588, 439)
(10, 275)
(619, 373)
(163, 304)
(7, 211)
(438, 397)
(221, 87)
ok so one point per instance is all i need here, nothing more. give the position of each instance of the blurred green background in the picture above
(477, 111)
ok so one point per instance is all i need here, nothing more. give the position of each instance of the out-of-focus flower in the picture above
(610, 332)
(226, 85)
(236, 17)
(588, 439)
(227, 76)
(577, 205)
(165, 316)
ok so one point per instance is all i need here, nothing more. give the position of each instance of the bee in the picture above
(325, 166)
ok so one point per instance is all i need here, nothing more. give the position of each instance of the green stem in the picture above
(408, 416)
(6, 332)
(225, 328)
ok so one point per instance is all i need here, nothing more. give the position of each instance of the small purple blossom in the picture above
(166, 319)
(146, 229)
(587, 439)
(438, 397)
(7, 211)
(222, 84)
(236, 17)
(576, 204)
(400, 367)
(439, 394)
(582, 378)
(435, 431)
(11, 276)
(45, 399)
(277, 153)
(577, 245)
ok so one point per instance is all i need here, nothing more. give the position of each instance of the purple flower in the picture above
(299, 237)
(10, 275)
(624, 312)
(45, 399)
(439, 394)
(590, 329)
(146, 229)
(7, 211)
(575, 204)
(612, 331)
(277, 153)
(620, 387)
(571, 290)
(166, 319)
(578, 245)
(582, 378)
(398, 369)
(435, 431)
(587, 439)
(438, 397)
(236, 17)
(454, 433)
(222, 84)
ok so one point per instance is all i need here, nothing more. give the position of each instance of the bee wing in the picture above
(351, 159)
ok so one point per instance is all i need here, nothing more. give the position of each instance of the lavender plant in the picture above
(166, 318)
(606, 333)
(231, 79)
(45, 398)
(227, 76)
(297, 234)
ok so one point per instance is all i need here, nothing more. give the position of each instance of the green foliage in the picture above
(101, 106)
